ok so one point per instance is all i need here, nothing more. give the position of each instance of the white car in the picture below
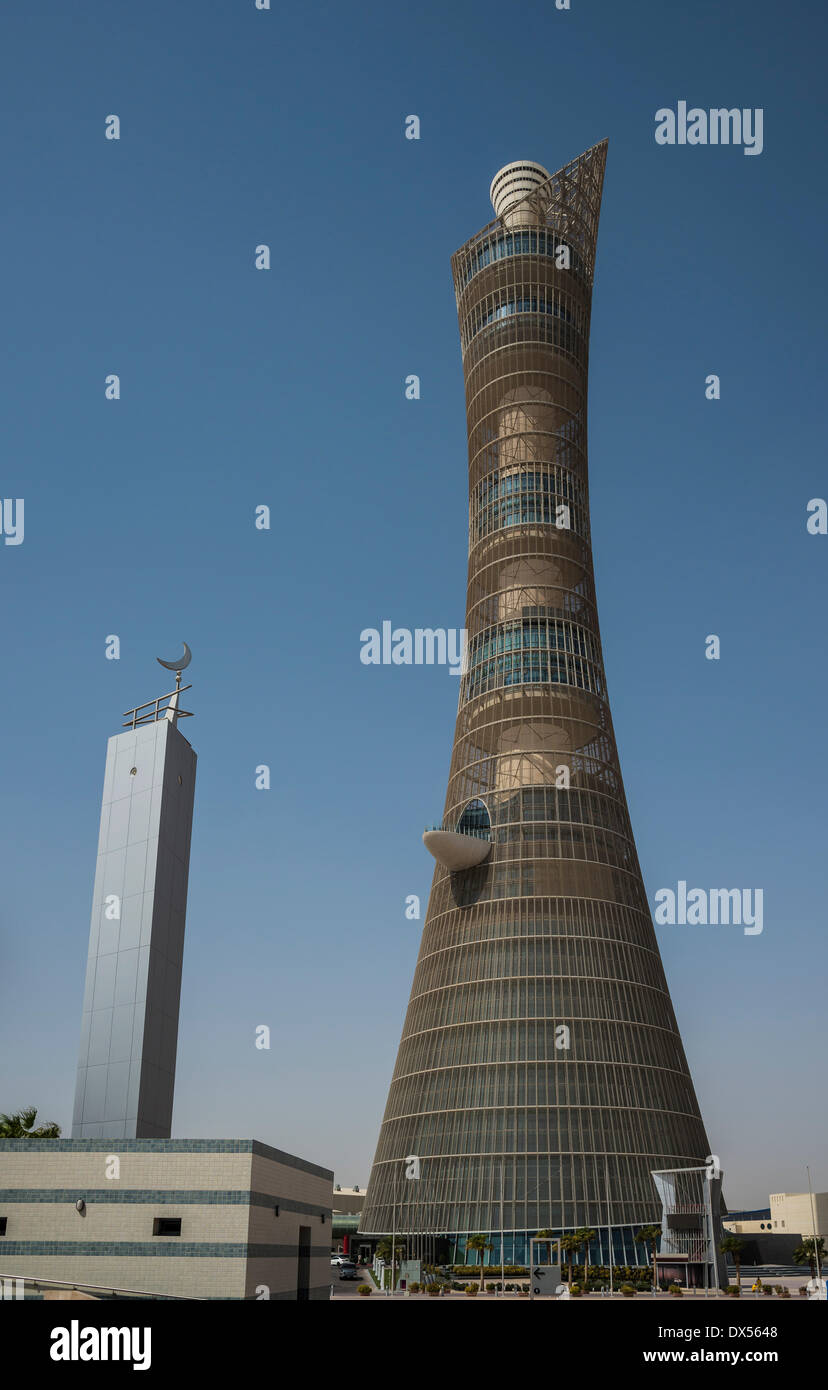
(341, 1260)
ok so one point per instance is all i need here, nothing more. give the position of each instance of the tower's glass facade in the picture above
(540, 1077)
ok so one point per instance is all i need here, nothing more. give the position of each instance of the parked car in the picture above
(348, 1272)
(341, 1259)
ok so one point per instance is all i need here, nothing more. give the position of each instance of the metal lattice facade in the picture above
(553, 931)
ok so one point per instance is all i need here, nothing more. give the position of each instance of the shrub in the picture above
(471, 1290)
(676, 1290)
(627, 1290)
(768, 1288)
(576, 1291)
(786, 1293)
(364, 1290)
(433, 1289)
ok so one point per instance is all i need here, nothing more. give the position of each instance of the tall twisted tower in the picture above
(540, 1077)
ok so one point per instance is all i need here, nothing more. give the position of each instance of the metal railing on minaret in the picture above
(153, 711)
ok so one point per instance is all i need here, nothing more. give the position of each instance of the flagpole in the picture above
(393, 1228)
(817, 1260)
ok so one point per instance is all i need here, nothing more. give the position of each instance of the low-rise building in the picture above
(789, 1213)
(748, 1223)
(805, 1213)
(187, 1218)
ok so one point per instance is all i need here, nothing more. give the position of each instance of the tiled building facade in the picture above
(187, 1218)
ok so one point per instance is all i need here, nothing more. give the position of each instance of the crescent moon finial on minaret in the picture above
(178, 666)
(180, 663)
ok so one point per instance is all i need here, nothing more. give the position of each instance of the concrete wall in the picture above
(233, 1244)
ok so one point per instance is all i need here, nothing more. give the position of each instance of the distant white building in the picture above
(800, 1212)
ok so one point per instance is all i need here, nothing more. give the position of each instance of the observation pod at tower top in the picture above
(510, 187)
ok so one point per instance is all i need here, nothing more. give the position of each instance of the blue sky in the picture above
(241, 127)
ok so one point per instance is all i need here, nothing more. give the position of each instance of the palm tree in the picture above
(546, 1234)
(571, 1243)
(732, 1245)
(392, 1253)
(481, 1243)
(21, 1126)
(586, 1235)
(650, 1235)
(551, 1236)
(806, 1253)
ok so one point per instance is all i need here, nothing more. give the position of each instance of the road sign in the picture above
(545, 1280)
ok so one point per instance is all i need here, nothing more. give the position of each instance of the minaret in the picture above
(129, 1035)
(540, 1056)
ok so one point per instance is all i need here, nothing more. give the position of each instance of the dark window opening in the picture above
(166, 1226)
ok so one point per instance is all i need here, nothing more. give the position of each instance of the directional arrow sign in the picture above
(545, 1278)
